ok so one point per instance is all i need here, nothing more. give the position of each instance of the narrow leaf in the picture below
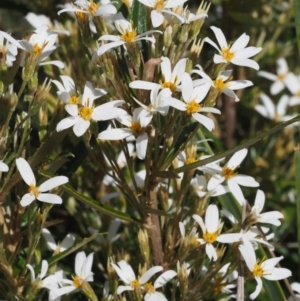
(297, 170)
(246, 144)
(139, 16)
(297, 22)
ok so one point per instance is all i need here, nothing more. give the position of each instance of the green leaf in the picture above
(180, 143)
(297, 22)
(297, 170)
(139, 16)
(239, 147)
(92, 203)
(54, 259)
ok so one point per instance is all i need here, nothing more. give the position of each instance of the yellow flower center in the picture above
(127, 3)
(128, 35)
(73, 99)
(77, 281)
(190, 160)
(210, 237)
(219, 84)
(37, 50)
(137, 128)
(93, 8)
(281, 76)
(227, 54)
(135, 284)
(228, 173)
(80, 15)
(171, 85)
(192, 107)
(149, 288)
(160, 4)
(86, 113)
(33, 190)
(298, 93)
(257, 270)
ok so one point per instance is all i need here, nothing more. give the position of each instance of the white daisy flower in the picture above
(161, 7)
(83, 274)
(128, 35)
(66, 243)
(67, 90)
(211, 230)
(193, 96)
(223, 84)
(261, 268)
(271, 217)
(237, 53)
(170, 79)
(229, 173)
(82, 116)
(38, 192)
(151, 293)
(270, 111)
(279, 79)
(8, 50)
(50, 282)
(136, 127)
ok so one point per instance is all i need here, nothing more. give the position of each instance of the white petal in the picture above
(220, 37)
(237, 158)
(87, 266)
(282, 105)
(157, 18)
(49, 239)
(124, 271)
(66, 123)
(102, 49)
(49, 198)
(267, 75)
(164, 278)
(80, 127)
(79, 261)
(115, 134)
(72, 109)
(123, 288)
(199, 220)
(212, 219)
(3, 167)
(44, 269)
(27, 199)
(32, 274)
(245, 62)
(209, 41)
(52, 183)
(187, 87)
(229, 238)
(211, 252)
(141, 146)
(215, 181)
(240, 43)
(259, 200)
(257, 289)
(269, 105)
(245, 181)
(235, 189)
(278, 274)
(248, 254)
(146, 276)
(25, 171)
(143, 85)
(207, 122)
(67, 242)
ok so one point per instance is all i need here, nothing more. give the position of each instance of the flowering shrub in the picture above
(117, 151)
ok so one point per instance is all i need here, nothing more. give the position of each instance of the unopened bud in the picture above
(143, 240)
(168, 36)
(88, 291)
(183, 271)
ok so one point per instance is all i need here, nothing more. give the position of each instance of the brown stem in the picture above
(153, 223)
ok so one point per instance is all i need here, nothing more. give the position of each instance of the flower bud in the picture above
(143, 240)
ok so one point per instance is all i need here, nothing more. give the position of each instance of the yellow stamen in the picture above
(298, 93)
(93, 8)
(77, 281)
(219, 84)
(190, 160)
(227, 54)
(228, 172)
(192, 107)
(160, 4)
(33, 190)
(37, 49)
(86, 113)
(281, 76)
(135, 284)
(137, 128)
(257, 270)
(80, 15)
(210, 237)
(73, 99)
(129, 36)
(149, 288)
